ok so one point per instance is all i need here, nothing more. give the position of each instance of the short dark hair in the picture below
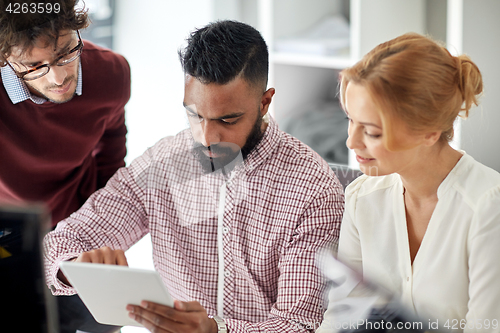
(23, 29)
(220, 51)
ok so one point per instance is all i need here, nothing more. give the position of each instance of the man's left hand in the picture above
(183, 317)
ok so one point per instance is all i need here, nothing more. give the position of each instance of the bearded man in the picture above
(236, 208)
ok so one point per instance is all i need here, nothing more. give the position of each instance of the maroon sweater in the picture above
(59, 154)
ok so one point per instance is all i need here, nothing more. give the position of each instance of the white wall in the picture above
(481, 41)
(149, 34)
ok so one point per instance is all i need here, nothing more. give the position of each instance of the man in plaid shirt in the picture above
(236, 208)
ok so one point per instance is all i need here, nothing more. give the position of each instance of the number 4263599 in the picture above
(32, 8)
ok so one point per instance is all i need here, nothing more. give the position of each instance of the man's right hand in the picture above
(104, 255)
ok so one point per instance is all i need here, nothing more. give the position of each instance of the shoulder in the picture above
(169, 145)
(103, 61)
(370, 188)
(168, 150)
(366, 185)
(92, 52)
(105, 76)
(475, 181)
(295, 160)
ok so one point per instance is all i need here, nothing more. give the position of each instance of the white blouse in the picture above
(456, 272)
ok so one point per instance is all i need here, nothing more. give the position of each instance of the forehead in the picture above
(216, 100)
(43, 46)
(360, 104)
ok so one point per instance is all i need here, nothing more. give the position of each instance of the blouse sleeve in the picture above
(349, 253)
(484, 267)
(349, 242)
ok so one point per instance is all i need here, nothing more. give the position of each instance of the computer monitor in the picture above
(25, 301)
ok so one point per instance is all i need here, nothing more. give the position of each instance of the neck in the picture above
(422, 180)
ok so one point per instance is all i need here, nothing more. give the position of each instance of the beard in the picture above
(228, 152)
(42, 91)
(42, 94)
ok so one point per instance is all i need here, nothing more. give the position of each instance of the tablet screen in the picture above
(107, 289)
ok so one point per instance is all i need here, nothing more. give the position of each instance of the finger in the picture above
(121, 259)
(108, 255)
(153, 321)
(188, 306)
(90, 256)
(104, 255)
(187, 313)
(162, 310)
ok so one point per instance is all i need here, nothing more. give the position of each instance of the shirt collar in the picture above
(266, 146)
(19, 92)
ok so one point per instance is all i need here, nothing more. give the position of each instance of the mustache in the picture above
(225, 155)
(216, 149)
(65, 82)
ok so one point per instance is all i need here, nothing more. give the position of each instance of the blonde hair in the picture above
(414, 80)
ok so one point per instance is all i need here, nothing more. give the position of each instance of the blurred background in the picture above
(310, 41)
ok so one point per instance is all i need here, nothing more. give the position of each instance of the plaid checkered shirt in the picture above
(271, 213)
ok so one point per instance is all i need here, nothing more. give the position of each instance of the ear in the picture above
(266, 101)
(431, 138)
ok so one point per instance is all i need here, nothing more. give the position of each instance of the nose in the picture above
(354, 138)
(56, 75)
(209, 134)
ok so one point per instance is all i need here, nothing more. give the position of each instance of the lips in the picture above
(212, 154)
(64, 89)
(363, 160)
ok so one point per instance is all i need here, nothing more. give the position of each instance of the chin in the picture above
(66, 97)
(372, 170)
(61, 99)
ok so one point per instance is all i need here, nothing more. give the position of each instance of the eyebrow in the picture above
(227, 116)
(60, 50)
(364, 123)
(371, 124)
(66, 47)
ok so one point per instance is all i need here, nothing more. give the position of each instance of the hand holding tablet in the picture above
(106, 290)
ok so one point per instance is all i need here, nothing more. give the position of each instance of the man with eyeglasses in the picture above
(61, 87)
(62, 118)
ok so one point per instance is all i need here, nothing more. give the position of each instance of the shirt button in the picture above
(227, 273)
(225, 230)
(408, 279)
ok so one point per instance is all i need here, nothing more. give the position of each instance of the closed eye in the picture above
(230, 121)
(375, 136)
(193, 115)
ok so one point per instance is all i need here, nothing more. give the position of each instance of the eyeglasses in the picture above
(62, 60)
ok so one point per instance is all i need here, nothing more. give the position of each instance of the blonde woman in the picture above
(424, 220)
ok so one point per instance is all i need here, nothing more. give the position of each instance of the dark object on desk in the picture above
(26, 304)
(74, 315)
(25, 301)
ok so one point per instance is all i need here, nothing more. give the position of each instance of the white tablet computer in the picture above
(107, 289)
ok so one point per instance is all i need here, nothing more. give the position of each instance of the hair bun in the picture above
(470, 82)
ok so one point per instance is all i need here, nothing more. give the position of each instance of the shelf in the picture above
(302, 79)
(311, 60)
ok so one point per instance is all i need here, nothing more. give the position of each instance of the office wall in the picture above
(149, 34)
(481, 41)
